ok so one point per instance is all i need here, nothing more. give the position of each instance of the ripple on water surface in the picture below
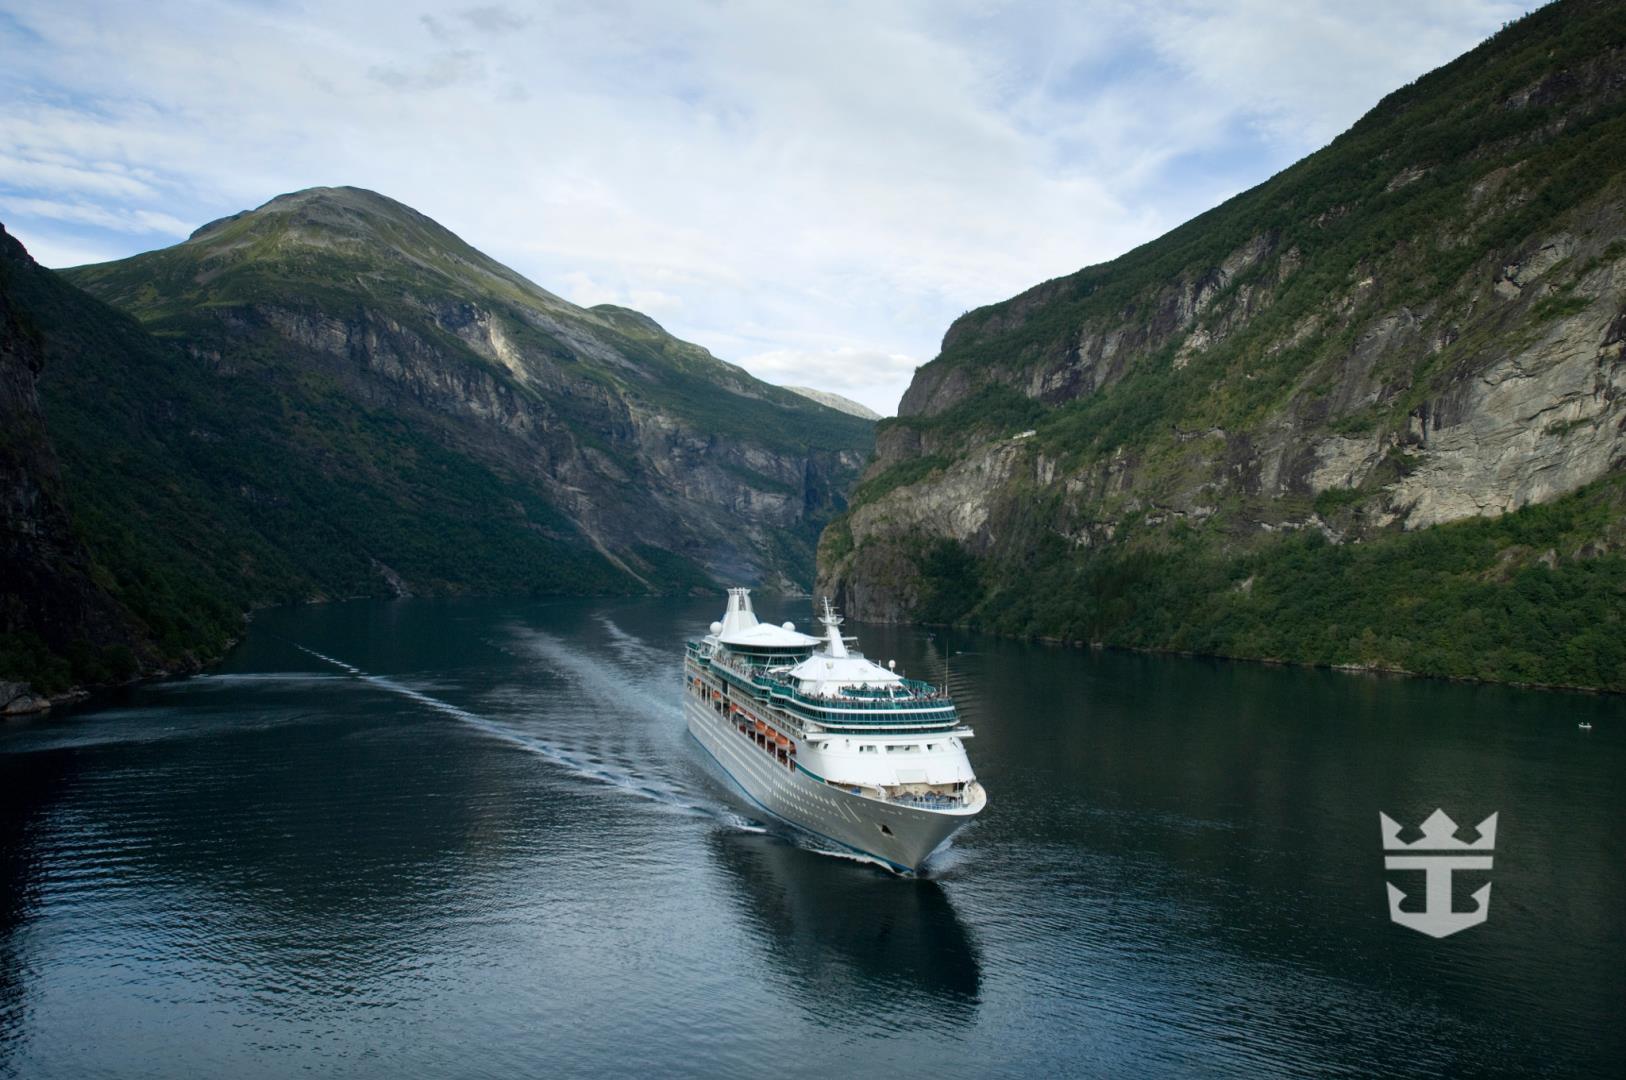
(473, 839)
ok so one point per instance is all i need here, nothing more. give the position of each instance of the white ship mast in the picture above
(834, 646)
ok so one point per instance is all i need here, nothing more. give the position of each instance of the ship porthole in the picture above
(884, 829)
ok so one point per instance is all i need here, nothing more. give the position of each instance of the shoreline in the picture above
(1271, 661)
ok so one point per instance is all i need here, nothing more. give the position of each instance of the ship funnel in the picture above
(738, 615)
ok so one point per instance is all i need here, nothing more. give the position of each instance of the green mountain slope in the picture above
(56, 615)
(201, 492)
(333, 396)
(644, 451)
(1280, 430)
(322, 256)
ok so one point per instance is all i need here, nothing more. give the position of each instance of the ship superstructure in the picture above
(829, 740)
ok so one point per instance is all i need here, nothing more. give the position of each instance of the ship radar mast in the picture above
(835, 647)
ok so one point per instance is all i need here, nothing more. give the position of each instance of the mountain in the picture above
(662, 461)
(52, 606)
(836, 401)
(334, 396)
(1371, 412)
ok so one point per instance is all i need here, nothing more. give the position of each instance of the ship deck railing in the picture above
(916, 695)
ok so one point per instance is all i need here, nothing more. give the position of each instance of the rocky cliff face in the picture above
(667, 464)
(1421, 324)
(51, 605)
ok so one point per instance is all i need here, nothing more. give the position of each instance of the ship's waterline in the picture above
(826, 739)
(898, 836)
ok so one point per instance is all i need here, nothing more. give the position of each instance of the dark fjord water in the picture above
(477, 842)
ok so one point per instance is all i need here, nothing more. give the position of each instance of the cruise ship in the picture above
(828, 740)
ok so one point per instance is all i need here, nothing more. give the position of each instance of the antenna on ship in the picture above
(832, 623)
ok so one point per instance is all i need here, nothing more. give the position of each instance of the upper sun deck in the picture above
(833, 688)
(895, 705)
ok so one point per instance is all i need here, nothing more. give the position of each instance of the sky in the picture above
(812, 190)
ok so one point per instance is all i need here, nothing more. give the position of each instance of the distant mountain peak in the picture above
(836, 401)
(331, 234)
(318, 205)
(342, 210)
(343, 195)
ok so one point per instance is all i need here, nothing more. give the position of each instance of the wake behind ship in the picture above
(829, 740)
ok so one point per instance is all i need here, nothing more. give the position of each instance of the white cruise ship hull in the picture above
(852, 821)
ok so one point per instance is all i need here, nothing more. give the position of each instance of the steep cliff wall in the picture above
(58, 625)
(1420, 324)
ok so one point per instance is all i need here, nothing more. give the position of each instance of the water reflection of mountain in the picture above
(851, 942)
(30, 786)
(262, 847)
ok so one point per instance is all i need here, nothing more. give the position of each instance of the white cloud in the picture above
(144, 222)
(494, 19)
(813, 185)
(93, 178)
(653, 302)
(580, 288)
(583, 289)
(1312, 96)
(867, 376)
(58, 252)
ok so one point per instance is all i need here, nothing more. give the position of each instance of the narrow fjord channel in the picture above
(474, 838)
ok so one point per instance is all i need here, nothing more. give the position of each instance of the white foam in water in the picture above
(570, 760)
(231, 678)
(328, 659)
(601, 682)
(608, 715)
(817, 848)
(631, 647)
(605, 683)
